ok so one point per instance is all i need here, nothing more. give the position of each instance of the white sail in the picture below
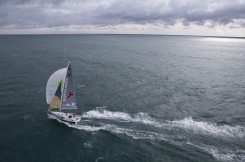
(68, 100)
(53, 83)
(60, 94)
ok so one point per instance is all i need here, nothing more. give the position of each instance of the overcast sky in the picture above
(184, 17)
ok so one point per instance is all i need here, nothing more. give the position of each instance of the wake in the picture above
(188, 125)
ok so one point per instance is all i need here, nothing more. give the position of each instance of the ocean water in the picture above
(141, 97)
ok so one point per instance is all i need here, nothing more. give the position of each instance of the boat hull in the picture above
(67, 117)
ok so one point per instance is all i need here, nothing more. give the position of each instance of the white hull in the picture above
(67, 117)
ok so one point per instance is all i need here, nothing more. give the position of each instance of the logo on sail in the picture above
(70, 94)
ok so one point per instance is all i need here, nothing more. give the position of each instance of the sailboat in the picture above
(60, 95)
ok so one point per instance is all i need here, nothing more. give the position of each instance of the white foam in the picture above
(187, 124)
(136, 134)
(78, 126)
(208, 128)
(222, 154)
(51, 117)
(100, 113)
(146, 119)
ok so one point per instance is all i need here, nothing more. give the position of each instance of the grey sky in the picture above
(204, 17)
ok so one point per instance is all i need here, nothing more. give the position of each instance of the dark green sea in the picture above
(141, 97)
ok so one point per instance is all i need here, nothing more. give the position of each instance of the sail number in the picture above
(65, 90)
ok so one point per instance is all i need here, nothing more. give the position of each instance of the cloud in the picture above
(21, 14)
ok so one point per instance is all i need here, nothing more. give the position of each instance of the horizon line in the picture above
(189, 35)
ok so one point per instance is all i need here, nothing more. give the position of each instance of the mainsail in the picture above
(68, 95)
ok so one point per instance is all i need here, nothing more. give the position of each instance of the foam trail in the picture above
(81, 127)
(101, 113)
(221, 154)
(104, 114)
(217, 153)
(136, 134)
(187, 124)
(208, 128)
